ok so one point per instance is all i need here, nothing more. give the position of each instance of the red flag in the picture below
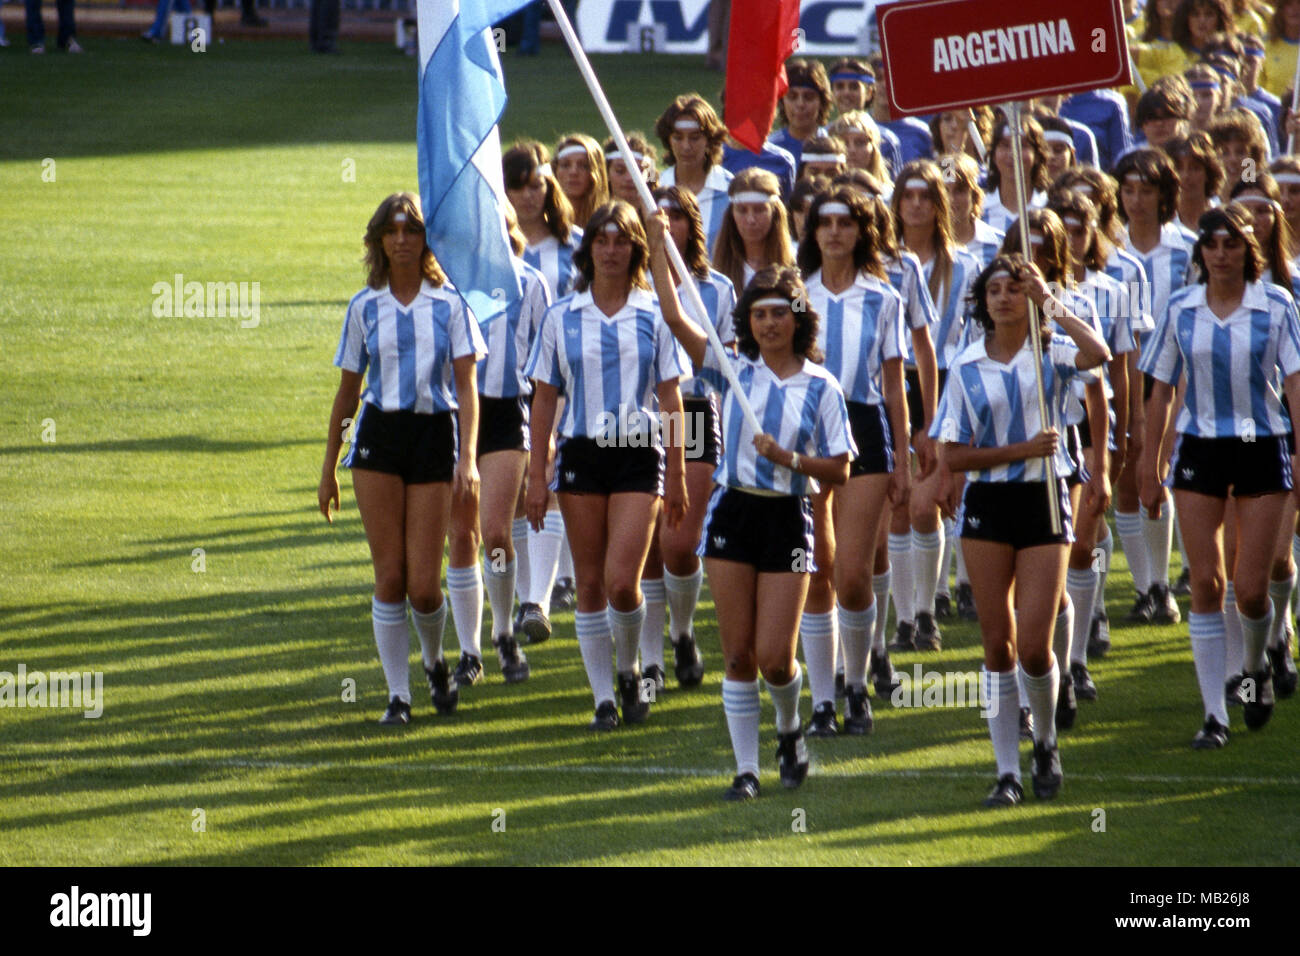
(761, 39)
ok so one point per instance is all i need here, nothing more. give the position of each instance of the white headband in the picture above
(1072, 221)
(824, 158)
(835, 209)
(572, 150)
(1290, 179)
(1254, 200)
(770, 300)
(686, 124)
(753, 197)
(611, 227)
(610, 157)
(667, 203)
(1248, 230)
(1134, 177)
(1084, 188)
(544, 169)
(1035, 240)
(916, 184)
(399, 217)
(1000, 273)
(1056, 136)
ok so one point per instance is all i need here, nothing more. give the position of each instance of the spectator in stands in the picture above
(1280, 52)
(67, 26)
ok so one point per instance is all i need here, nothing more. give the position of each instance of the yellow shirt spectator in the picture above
(1279, 65)
(1163, 57)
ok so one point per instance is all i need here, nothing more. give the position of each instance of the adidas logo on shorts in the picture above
(973, 521)
(363, 452)
(570, 476)
(719, 542)
(1187, 473)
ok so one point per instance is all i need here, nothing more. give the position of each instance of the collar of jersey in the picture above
(861, 280)
(426, 288)
(781, 382)
(1254, 299)
(638, 300)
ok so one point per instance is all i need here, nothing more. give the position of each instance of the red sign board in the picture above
(949, 54)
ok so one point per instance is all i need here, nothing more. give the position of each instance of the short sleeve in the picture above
(953, 422)
(726, 308)
(1161, 357)
(544, 362)
(537, 299)
(893, 335)
(671, 360)
(1288, 347)
(466, 336)
(833, 437)
(921, 312)
(1064, 356)
(352, 355)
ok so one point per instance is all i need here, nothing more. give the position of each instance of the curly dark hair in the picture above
(696, 254)
(1155, 167)
(625, 218)
(1013, 263)
(866, 251)
(782, 281)
(692, 106)
(1182, 34)
(1237, 219)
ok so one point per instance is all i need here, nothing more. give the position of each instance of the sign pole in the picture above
(1035, 342)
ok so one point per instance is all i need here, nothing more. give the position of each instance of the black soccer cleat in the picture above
(514, 665)
(792, 757)
(881, 673)
(1183, 586)
(1099, 636)
(563, 595)
(1164, 609)
(1007, 792)
(942, 606)
(824, 723)
(903, 637)
(1047, 770)
(1141, 611)
(655, 673)
(1212, 736)
(534, 623)
(443, 692)
(857, 712)
(744, 787)
(469, 670)
(1284, 670)
(926, 636)
(1026, 724)
(1084, 688)
(687, 664)
(398, 713)
(1067, 708)
(966, 602)
(1232, 689)
(606, 716)
(840, 686)
(1257, 698)
(635, 707)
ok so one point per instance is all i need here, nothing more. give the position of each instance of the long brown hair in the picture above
(598, 194)
(866, 251)
(376, 260)
(519, 165)
(623, 216)
(941, 237)
(783, 281)
(729, 248)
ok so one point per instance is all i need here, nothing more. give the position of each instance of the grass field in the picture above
(223, 687)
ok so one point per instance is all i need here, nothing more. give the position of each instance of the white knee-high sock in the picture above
(945, 560)
(1208, 653)
(565, 565)
(962, 576)
(519, 537)
(1063, 636)
(904, 586)
(683, 594)
(596, 646)
(1129, 526)
(1234, 639)
(927, 550)
(1178, 536)
(1254, 633)
(1159, 536)
(543, 553)
(465, 591)
(740, 702)
(500, 592)
(855, 635)
(999, 697)
(786, 700)
(880, 585)
(430, 627)
(1279, 592)
(1021, 688)
(1081, 586)
(818, 634)
(1043, 691)
(626, 628)
(652, 631)
(1107, 546)
(393, 641)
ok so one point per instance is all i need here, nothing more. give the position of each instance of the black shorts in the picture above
(915, 407)
(703, 431)
(1148, 383)
(1014, 513)
(1074, 446)
(1290, 436)
(869, 425)
(771, 533)
(502, 425)
(417, 447)
(583, 467)
(1211, 466)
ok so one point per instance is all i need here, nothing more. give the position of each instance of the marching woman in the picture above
(1000, 208)
(502, 457)
(672, 552)
(861, 138)
(621, 184)
(950, 131)
(990, 426)
(822, 155)
(801, 197)
(966, 200)
(580, 171)
(604, 349)
(410, 336)
(864, 344)
(758, 533)
(1286, 173)
(806, 106)
(1233, 337)
(546, 220)
(754, 233)
(694, 136)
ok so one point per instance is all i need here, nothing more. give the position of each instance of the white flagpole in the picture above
(1018, 164)
(975, 136)
(643, 190)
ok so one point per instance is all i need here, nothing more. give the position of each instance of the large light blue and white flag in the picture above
(462, 96)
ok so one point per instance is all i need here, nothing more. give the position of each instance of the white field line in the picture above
(615, 770)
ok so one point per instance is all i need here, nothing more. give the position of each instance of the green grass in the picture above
(223, 688)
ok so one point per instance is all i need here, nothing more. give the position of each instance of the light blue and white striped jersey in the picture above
(1295, 280)
(991, 405)
(999, 216)
(406, 351)
(554, 259)
(1078, 301)
(1167, 267)
(510, 337)
(1231, 364)
(719, 297)
(805, 413)
(986, 242)
(955, 308)
(1113, 305)
(861, 328)
(607, 367)
(1126, 269)
(713, 198)
(907, 276)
